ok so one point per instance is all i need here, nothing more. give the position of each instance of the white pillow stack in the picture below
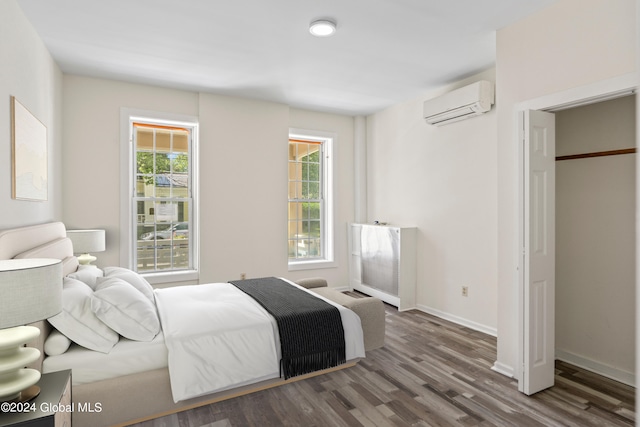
(98, 306)
(87, 274)
(131, 277)
(125, 309)
(78, 323)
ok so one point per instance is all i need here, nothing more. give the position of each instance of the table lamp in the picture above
(30, 291)
(85, 241)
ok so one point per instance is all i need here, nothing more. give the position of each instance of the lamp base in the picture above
(14, 378)
(86, 259)
(27, 394)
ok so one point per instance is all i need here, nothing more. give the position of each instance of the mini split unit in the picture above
(459, 104)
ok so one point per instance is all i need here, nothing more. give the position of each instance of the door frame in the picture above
(603, 90)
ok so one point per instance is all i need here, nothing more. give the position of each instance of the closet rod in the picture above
(597, 154)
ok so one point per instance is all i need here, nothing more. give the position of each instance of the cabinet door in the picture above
(382, 263)
(380, 258)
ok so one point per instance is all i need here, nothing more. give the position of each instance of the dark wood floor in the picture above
(430, 373)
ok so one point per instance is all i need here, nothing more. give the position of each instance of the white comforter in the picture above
(219, 338)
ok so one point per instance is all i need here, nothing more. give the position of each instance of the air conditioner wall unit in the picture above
(468, 101)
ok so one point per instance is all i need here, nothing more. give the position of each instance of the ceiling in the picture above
(384, 52)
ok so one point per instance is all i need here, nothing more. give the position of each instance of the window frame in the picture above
(128, 211)
(327, 224)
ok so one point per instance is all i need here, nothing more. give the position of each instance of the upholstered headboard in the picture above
(39, 241)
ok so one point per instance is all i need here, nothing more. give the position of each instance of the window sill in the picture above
(311, 265)
(172, 277)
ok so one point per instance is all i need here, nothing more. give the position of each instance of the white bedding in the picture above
(220, 338)
(127, 357)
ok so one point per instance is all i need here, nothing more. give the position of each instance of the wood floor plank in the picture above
(431, 372)
(371, 418)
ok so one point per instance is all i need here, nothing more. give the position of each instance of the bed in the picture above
(146, 367)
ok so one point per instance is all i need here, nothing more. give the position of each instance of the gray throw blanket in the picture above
(311, 333)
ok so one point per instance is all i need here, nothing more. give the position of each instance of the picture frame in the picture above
(30, 178)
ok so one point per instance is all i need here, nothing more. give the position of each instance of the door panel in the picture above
(538, 251)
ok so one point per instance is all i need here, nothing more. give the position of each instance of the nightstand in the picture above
(52, 407)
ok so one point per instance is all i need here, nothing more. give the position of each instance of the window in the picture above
(162, 208)
(310, 230)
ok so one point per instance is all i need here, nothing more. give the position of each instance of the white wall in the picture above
(28, 72)
(569, 44)
(91, 149)
(441, 180)
(595, 243)
(344, 185)
(243, 173)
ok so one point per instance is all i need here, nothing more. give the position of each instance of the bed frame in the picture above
(128, 399)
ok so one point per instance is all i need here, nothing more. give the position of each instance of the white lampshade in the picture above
(30, 291)
(85, 241)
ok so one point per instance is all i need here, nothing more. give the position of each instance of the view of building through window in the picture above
(162, 198)
(305, 199)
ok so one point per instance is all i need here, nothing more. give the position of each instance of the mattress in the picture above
(127, 357)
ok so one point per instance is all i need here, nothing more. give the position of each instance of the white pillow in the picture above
(87, 274)
(125, 309)
(131, 277)
(56, 343)
(112, 271)
(78, 323)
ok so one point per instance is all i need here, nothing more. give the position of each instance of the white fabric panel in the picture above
(127, 357)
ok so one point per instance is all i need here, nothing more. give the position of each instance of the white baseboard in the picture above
(503, 369)
(613, 373)
(459, 320)
(616, 374)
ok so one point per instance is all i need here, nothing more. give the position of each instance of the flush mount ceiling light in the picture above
(322, 28)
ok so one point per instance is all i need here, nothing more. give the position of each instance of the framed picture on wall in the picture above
(30, 179)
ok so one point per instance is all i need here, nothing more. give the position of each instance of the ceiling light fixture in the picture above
(322, 28)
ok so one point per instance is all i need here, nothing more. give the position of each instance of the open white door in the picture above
(538, 275)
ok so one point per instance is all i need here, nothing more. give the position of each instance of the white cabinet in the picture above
(382, 263)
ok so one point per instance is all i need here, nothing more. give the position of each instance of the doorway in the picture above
(595, 239)
(536, 302)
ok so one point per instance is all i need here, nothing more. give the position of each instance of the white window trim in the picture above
(127, 186)
(329, 140)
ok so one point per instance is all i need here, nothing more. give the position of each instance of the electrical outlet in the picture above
(243, 276)
(465, 291)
